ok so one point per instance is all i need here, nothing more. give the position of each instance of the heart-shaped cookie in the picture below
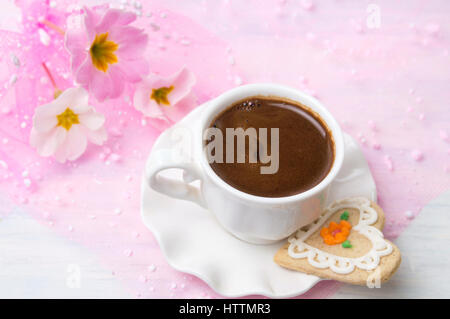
(345, 243)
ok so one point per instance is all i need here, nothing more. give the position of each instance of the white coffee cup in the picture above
(254, 219)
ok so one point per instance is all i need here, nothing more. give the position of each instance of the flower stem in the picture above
(57, 91)
(53, 26)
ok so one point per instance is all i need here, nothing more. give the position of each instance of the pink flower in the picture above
(63, 127)
(107, 53)
(166, 98)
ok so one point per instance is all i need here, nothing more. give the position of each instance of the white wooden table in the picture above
(36, 263)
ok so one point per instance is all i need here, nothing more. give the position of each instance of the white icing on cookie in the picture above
(343, 265)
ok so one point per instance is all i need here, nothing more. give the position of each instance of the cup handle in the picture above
(163, 159)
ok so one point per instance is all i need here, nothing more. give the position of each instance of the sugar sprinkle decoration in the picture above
(417, 155)
(128, 252)
(409, 214)
(388, 162)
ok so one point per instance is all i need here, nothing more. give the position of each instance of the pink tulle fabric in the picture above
(388, 88)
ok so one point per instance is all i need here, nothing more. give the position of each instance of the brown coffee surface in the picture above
(306, 149)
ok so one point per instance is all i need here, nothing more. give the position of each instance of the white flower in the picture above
(63, 127)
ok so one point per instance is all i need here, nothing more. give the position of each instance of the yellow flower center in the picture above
(67, 118)
(102, 52)
(160, 95)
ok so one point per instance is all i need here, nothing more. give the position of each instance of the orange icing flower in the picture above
(336, 233)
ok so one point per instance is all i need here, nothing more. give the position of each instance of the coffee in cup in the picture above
(304, 152)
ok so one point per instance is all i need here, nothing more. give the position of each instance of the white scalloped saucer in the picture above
(194, 242)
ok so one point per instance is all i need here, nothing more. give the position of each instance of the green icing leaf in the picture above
(347, 244)
(345, 215)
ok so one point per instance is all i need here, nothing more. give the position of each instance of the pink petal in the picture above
(76, 42)
(104, 85)
(75, 39)
(183, 81)
(117, 78)
(44, 117)
(77, 59)
(51, 109)
(76, 99)
(47, 143)
(92, 120)
(160, 124)
(60, 154)
(114, 17)
(44, 124)
(156, 81)
(181, 109)
(76, 142)
(134, 70)
(74, 145)
(98, 136)
(144, 104)
(132, 42)
(100, 85)
(91, 19)
(84, 74)
(152, 109)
